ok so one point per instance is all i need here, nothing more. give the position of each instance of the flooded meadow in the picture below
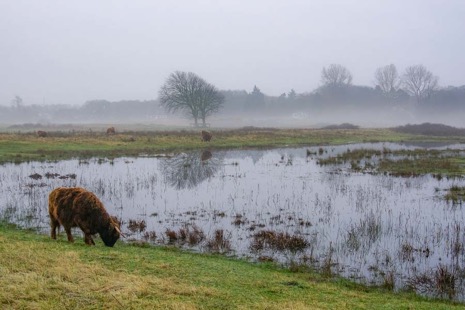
(299, 207)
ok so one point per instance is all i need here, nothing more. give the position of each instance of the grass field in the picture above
(17, 147)
(39, 273)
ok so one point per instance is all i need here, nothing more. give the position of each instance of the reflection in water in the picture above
(189, 170)
(206, 155)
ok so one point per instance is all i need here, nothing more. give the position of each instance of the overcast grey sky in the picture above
(55, 51)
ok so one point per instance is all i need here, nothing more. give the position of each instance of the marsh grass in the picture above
(455, 194)
(402, 163)
(364, 233)
(278, 241)
(150, 236)
(389, 281)
(137, 226)
(412, 167)
(445, 281)
(440, 282)
(328, 263)
(190, 234)
(219, 242)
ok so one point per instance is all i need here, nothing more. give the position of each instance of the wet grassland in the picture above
(347, 203)
(22, 146)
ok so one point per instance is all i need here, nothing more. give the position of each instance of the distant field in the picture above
(60, 143)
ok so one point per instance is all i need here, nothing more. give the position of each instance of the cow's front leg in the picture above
(68, 233)
(88, 239)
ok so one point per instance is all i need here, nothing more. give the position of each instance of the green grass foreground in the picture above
(39, 273)
(18, 147)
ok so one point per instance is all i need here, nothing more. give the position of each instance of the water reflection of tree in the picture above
(189, 170)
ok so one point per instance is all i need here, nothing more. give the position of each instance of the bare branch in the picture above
(419, 82)
(387, 78)
(189, 93)
(336, 75)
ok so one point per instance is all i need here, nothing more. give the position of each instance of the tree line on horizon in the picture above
(416, 91)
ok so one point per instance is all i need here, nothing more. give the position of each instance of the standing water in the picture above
(270, 205)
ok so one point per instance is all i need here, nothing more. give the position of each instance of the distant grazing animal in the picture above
(41, 133)
(77, 207)
(206, 136)
(111, 131)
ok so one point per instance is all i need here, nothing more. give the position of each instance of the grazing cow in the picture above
(41, 133)
(206, 136)
(77, 207)
(111, 131)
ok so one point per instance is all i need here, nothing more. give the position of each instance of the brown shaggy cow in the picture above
(77, 207)
(111, 131)
(206, 136)
(41, 133)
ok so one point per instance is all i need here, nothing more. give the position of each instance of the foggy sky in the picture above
(68, 52)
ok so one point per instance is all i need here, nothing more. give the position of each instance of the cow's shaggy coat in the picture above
(77, 207)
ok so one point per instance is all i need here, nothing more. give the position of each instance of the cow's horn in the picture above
(119, 231)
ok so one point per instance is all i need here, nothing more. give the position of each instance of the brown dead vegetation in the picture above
(430, 129)
(279, 241)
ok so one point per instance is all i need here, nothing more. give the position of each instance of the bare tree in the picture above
(210, 103)
(387, 79)
(336, 75)
(17, 102)
(189, 93)
(191, 169)
(419, 82)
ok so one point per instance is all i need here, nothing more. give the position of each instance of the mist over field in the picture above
(273, 63)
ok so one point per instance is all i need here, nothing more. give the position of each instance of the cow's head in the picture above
(112, 233)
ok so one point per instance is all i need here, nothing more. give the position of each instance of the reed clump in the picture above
(279, 241)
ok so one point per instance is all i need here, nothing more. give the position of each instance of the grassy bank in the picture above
(17, 147)
(38, 273)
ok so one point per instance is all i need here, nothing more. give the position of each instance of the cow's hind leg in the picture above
(68, 233)
(54, 225)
